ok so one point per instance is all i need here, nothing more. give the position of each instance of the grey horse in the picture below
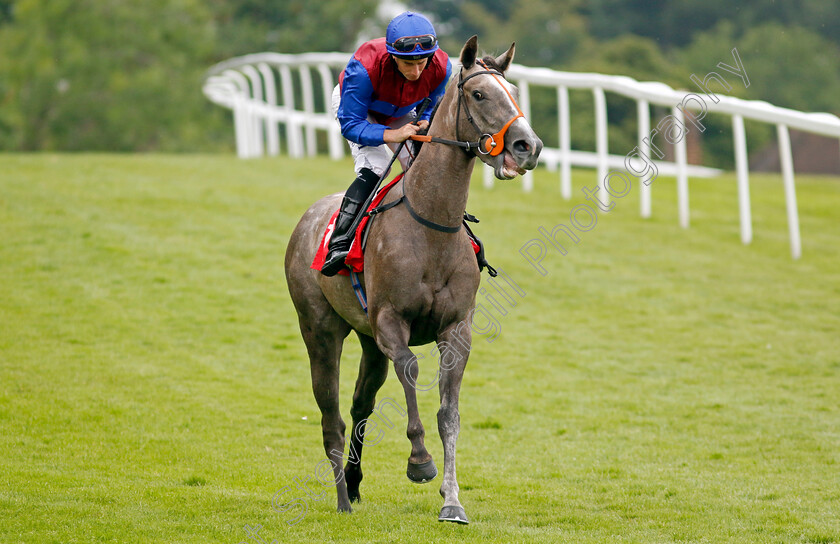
(420, 274)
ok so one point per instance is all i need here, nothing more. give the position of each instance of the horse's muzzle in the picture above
(526, 152)
(521, 152)
(524, 145)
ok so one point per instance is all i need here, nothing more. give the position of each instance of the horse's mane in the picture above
(418, 145)
(491, 63)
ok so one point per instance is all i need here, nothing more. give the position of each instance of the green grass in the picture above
(658, 385)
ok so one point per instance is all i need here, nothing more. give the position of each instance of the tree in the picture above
(792, 67)
(5, 11)
(787, 66)
(104, 74)
(676, 23)
(628, 55)
(547, 33)
(289, 26)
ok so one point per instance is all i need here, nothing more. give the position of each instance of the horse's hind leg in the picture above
(324, 338)
(373, 370)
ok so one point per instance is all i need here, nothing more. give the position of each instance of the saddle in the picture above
(355, 259)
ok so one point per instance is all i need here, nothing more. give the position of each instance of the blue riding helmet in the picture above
(411, 36)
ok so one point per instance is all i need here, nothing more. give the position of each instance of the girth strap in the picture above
(414, 215)
(482, 261)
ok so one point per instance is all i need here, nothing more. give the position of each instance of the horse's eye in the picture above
(477, 95)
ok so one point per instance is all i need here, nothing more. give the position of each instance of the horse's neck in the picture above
(438, 182)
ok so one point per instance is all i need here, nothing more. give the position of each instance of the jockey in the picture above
(375, 103)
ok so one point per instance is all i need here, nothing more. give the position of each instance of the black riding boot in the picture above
(351, 205)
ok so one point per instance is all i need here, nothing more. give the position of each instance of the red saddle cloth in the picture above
(355, 258)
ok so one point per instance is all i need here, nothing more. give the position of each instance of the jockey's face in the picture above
(411, 69)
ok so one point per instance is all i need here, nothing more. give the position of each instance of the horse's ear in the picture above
(504, 60)
(469, 52)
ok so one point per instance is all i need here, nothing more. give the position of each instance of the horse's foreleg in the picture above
(454, 347)
(373, 370)
(392, 334)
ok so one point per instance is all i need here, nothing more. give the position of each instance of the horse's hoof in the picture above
(454, 514)
(422, 473)
(353, 479)
(345, 509)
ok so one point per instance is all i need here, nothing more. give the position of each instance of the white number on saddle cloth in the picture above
(328, 234)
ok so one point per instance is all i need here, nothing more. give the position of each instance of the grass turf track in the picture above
(658, 385)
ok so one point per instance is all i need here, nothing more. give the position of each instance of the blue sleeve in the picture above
(438, 92)
(356, 97)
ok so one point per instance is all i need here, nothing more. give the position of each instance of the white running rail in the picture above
(260, 90)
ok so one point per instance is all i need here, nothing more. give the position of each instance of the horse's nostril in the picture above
(521, 146)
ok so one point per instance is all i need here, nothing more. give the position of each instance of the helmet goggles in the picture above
(414, 44)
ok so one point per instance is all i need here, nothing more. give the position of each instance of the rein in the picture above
(487, 144)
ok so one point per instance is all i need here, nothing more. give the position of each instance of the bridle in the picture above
(487, 144)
